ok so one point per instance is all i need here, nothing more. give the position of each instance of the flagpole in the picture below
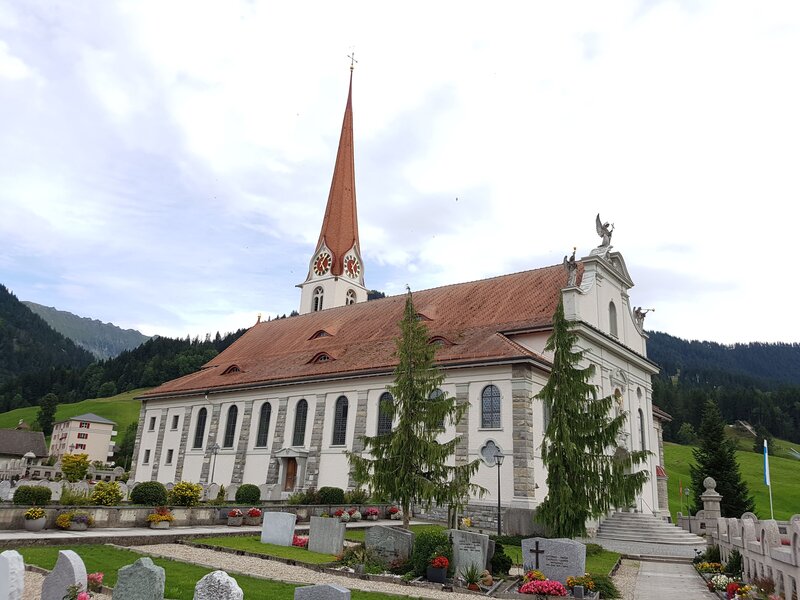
(767, 479)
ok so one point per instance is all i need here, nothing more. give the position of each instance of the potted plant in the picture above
(160, 518)
(301, 541)
(342, 515)
(80, 521)
(471, 576)
(35, 519)
(395, 513)
(437, 569)
(355, 514)
(235, 517)
(372, 514)
(253, 516)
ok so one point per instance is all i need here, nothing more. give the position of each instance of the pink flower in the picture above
(551, 588)
(84, 596)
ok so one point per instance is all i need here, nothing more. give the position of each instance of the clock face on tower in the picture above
(322, 263)
(352, 267)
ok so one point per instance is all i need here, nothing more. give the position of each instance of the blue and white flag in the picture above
(766, 463)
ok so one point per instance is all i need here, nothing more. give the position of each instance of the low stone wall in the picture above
(514, 521)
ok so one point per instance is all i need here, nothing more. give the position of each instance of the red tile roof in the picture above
(471, 315)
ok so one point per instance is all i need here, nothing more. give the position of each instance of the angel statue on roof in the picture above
(571, 265)
(604, 230)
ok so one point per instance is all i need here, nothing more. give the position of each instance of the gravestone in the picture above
(389, 543)
(230, 492)
(69, 570)
(326, 536)
(325, 591)
(142, 580)
(490, 555)
(469, 549)
(218, 585)
(5, 490)
(56, 488)
(278, 528)
(12, 575)
(212, 491)
(556, 558)
(124, 489)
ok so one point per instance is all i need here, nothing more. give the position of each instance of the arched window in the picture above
(340, 422)
(350, 298)
(433, 396)
(230, 427)
(200, 428)
(263, 425)
(612, 318)
(490, 407)
(642, 434)
(300, 417)
(384, 418)
(316, 303)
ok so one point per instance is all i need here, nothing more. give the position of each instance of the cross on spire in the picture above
(352, 57)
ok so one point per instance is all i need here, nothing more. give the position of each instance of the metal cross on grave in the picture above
(537, 552)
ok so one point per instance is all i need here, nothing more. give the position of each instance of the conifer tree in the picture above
(715, 456)
(408, 464)
(585, 476)
(47, 413)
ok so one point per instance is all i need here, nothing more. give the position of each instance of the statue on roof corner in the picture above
(604, 230)
(571, 265)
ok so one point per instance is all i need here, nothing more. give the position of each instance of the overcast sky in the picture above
(165, 165)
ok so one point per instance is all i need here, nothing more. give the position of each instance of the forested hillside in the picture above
(28, 344)
(104, 340)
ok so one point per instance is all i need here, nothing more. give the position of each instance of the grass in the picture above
(784, 473)
(253, 544)
(181, 577)
(357, 535)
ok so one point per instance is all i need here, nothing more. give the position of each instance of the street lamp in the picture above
(214, 449)
(498, 460)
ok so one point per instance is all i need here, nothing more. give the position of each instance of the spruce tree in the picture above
(408, 464)
(47, 413)
(585, 476)
(715, 456)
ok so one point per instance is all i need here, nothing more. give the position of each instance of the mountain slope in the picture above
(28, 344)
(104, 340)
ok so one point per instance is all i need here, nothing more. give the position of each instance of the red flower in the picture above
(440, 562)
(393, 510)
(254, 512)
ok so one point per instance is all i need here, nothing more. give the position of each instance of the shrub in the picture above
(70, 498)
(356, 496)
(106, 493)
(331, 495)
(149, 493)
(248, 494)
(712, 555)
(427, 545)
(32, 495)
(734, 564)
(186, 493)
(74, 466)
(591, 549)
(605, 585)
(64, 520)
(501, 562)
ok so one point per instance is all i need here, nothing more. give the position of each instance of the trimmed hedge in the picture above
(248, 494)
(149, 493)
(331, 495)
(32, 495)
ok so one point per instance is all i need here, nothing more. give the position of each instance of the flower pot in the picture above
(473, 587)
(251, 520)
(436, 575)
(35, 524)
(235, 521)
(372, 518)
(159, 525)
(78, 526)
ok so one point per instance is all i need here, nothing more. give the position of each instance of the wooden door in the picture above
(291, 475)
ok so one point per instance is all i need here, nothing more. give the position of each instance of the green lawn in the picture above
(357, 535)
(784, 472)
(253, 544)
(181, 577)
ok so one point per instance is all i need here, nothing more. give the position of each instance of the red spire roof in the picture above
(340, 225)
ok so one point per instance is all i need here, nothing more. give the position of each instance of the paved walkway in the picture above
(659, 580)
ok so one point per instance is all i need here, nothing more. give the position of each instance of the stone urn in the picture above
(248, 520)
(159, 525)
(35, 524)
(235, 521)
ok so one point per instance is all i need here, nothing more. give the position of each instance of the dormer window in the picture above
(232, 369)
(320, 334)
(421, 317)
(440, 341)
(316, 301)
(321, 358)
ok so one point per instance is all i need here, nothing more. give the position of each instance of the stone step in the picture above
(632, 537)
(644, 530)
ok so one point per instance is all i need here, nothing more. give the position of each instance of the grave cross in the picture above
(537, 552)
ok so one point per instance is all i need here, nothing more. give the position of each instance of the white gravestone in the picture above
(469, 549)
(326, 536)
(556, 558)
(12, 575)
(142, 580)
(69, 570)
(218, 585)
(325, 591)
(389, 543)
(278, 528)
(5, 490)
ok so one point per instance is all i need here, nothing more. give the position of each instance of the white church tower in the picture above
(336, 272)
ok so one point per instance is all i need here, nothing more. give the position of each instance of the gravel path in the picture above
(33, 588)
(625, 579)
(247, 565)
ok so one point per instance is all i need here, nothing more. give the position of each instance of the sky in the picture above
(165, 165)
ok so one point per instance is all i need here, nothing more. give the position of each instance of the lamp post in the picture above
(498, 460)
(214, 451)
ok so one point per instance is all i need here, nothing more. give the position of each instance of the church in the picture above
(281, 405)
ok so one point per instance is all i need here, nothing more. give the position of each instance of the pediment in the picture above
(290, 452)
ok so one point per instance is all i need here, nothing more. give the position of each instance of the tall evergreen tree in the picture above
(716, 457)
(584, 478)
(408, 464)
(46, 416)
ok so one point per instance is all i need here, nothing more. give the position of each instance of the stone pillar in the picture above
(137, 444)
(522, 431)
(212, 438)
(162, 425)
(711, 499)
(315, 447)
(360, 430)
(244, 439)
(462, 429)
(185, 441)
(277, 441)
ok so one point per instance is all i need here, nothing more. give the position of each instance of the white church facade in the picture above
(281, 405)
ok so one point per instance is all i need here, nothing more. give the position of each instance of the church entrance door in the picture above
(291, 474)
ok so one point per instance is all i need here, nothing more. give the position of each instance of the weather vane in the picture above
(353, 61)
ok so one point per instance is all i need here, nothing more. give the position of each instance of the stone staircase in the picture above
(640, 527)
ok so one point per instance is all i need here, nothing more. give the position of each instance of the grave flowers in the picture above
(342, 515)
(547, 587)
(160, 518)
(437, 569)
(395, 513)
(355, 514)
(253, 516)
(35, 519)
(94, 581)
(720, 582)
(301, 541)
(372, 514)
(586, 581)
(76, 521)
(235, 517)
(75, 592)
